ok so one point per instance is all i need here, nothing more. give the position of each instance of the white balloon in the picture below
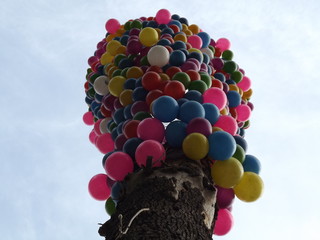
(103, 125)
(208, 52)
(100, 85)
(158, 56)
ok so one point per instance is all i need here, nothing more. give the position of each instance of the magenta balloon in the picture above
(92, 137)
(189, 65)
(118, 165)
(150, 148)
(225, 197)
(243, 112)
(96, 127)
(105, 143)
(244, 84)
(98, 187)
(199, 125)
(112, 25)
(223, 44)
(216, 96)
(139, 106)
(224, 222)
(163, 16)
(151, 128)
(227, 123)
(195, 41)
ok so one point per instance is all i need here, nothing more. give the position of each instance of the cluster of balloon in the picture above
(160, 81)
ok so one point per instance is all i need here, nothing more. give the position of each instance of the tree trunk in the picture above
(174, 201)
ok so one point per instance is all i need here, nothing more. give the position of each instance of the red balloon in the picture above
(153, 95)
(174, 89)
(130, 129)
(98, 187)
(151, 80)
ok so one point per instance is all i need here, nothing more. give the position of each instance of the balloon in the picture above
(251, 164)
(101, 85)
(148, 36)
(105, 143)
(239, 153)
(234, 99)
(216, 96)
(227, 173)
(131, 145)
(177, 58)
(96, 127)
(151, 80)
(103, 125)
(118, 165)
(199, 125)
(163, 16)
(88, 118)
(205, 39)
(244, 84)
(175, 133)
(116, 85)
(98, 187)
(190, 110)
(126, 97)
(120, 141)
(151, 128)
(150, 148)
(227, 123)
(224, 222)
(130, 129)
(174, 89)
(158, 56)
(194, 95)
(165, 108)
(223, 44)
(195, 41)
(117, 191)
(153, 95)
(250, 187)
(110, 206)
(112, 25)
(139, 106)
(225, 197)
(195, 146)
(243, 112)
(92, 137)
(211, 112)
(112, 47)
(221, 145)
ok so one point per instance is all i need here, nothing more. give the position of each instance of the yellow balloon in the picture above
(249, 188)
(106, 58)
(180, 37)
(116, 85)
(125, 97)
(112, 47)
(227, 173)
(194, 28)
(134, 72)
(148, 36)
(195, 146)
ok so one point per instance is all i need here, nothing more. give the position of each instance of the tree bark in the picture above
(174, 201)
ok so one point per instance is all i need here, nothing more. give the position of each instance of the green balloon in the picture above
(198, 85)
(144, 61)
(230, 66)
(110, 206)
(206, 78)
(236, 76)
(127, 25)
(136, 24)
(240, 154)
(183, 78)
(227, 55)
(124, 72)
(141, 115)
(116, 73)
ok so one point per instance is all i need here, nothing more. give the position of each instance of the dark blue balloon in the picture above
(125, 62)
(182, 101)
(131, 145)
(168, 31)
(242, 142)
(127, 112)
(194, 95)
(118, 116)
(206, 58)
(230, 81)
(175, 16)
(139, 82)
(177, 45)
(164, 42)
(88, 100)
(165, 108)
(222, 145)
(119, 127)
(152, 24)
(242, 132)
(177, 58)
(114, 134)
(162, 26)
(98, 98)
(205, 39)
(234, 98)
(175, 133)
(251, 164)
(94, 105)
(117, 191)
(190, 110)
(220, 77)
(139, 94)
(130, 84)
(124, 40)
(212, 113)
(196, 55)
(184, 20)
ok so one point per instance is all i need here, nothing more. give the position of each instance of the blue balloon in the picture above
(117, 191)
(168, 31)
(124, 40)
(164, 42)
(177, 58)
(139, 94)
(222, 145)
(190, 110)
(131, 145)
(234, 98)
(196, 55)
(205, 39)
(242, 142)
(182, 101)
(175, 133)
(130, 84)
(176, 22)
(114, 133)
(212, 112)
(194, 95)
(220, 77)
(251, 164)
(127, 112)
(177, 45)
(118, 116)
(165, 108)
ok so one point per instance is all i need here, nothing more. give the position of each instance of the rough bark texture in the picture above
(177, 201)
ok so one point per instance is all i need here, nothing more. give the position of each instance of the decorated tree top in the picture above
(160, 84)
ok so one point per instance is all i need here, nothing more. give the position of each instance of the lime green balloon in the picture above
(198, 85)
(110, 206)
(195, 146)
(240, 154)
(249, 188)
(237, 76)
(227, 173)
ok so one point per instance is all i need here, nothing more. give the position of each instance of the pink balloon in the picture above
(105, 143)
(163, 16)
(224, 222)
(88, 118)
(195, 41)
(96, 127)
(150, 148)
(98, 187)
(151, 128)
(112, 25)
(227, 123)
(223, 44)
(244, 84)
(92, 137)
(118, 165)
(199, 125)
(225, 197)
(216, 96)
(243, 112)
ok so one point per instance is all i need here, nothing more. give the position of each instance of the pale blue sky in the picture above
(46, 157)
